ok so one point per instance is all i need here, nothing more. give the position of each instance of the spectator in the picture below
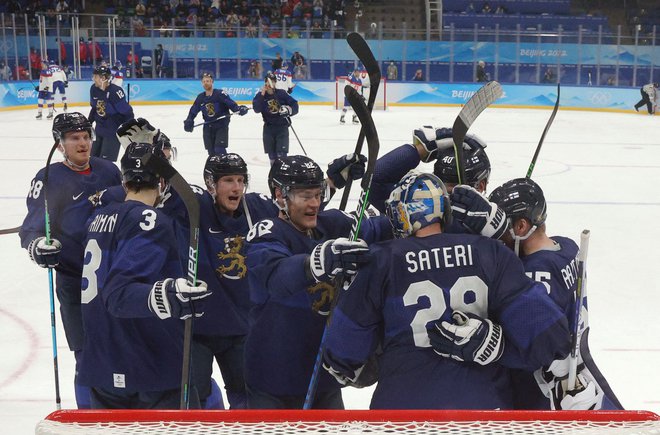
(254, 70)
(299, 67)
(62, 51)
(418, 77)
(5, 72)
(140, 10)
(82, 51)
(94, 51)
(482, 75)
(35, 63)
(139, 29)
(316, 30)
(159, 56)
(610, 81)
(277, 62)
(549, 76)
(392, 72)
(486, 9)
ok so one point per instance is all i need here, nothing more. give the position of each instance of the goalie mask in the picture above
(417, 201)
(217, 167)
(477, 165)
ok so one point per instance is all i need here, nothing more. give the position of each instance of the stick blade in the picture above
(373, 143)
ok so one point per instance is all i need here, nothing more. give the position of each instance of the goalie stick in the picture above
(545, 131)
(483, 98)
(373, 143)
(363, 52)
(178, 183)
(51, 292)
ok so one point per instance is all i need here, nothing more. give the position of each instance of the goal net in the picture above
(292, 422)
(381, 97)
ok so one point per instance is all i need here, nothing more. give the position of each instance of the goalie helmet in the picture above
(295, 172)
(133, 170)
(68, 122)
(521, 198)
(417, 201)
(103, 71)
(477, 165)
(226, 164)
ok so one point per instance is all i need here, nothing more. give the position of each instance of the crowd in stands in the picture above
(226, 16)
(50, 8)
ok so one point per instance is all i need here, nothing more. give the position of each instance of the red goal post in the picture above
(291, 422)
(381, 98)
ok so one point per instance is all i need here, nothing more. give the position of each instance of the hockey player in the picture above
(215, 105)
(45, 89)
(291, 262)
(276, 108)
(134, 292)
(117, 74)
(284, 79)
(60, 83)
(648, 97)
(426, 276)
(551, 261)
(109, 110)
(354, 80)
(77, 178)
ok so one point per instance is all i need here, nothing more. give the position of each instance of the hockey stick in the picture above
(373, 143)
(288, 120)
(580, 295)
(545, 131)
(216, 119)
(167, 171)
(51, 291)
(363, 52)
(483, 98)
(10, 230)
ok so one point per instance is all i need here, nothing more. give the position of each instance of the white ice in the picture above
(599, 171)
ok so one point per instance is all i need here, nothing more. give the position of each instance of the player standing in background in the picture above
(109, 110)
(77, 178)
(134, 297)
(215, 105)
(276, 107)
(648, 97)
(426, 276)
(60, 82)
(284, 79)
(291, 262)
(45, 91)
(355, 81)
(117, 74)
(551, 261)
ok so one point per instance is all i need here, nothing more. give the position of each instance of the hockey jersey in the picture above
(269, 106)
(130, 246)
(285, 324)
(284, 80)
(213, 106)
(412, 283)
(109, 109)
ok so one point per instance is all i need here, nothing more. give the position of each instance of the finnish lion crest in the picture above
(233, 261)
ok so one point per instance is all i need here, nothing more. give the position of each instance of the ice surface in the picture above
(599, 171)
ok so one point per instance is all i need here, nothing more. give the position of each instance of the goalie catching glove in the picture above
(173, 298)
(330, 258)
(137, 130)
(476, 213)
(432, 140)
(468, 338)
(350, 165)
(43, 254)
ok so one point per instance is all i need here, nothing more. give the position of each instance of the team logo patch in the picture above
(100, 108)
(321, 294)
(232, 261)
(210, 109)
(273, 106)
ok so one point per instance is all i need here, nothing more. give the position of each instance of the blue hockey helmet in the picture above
(222, 165)
(417, 201)
(134, 171)
(295, 172)
(521, 198)
(477, 164)
(68, 122)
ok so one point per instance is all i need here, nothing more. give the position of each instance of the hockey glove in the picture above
(45, 255)
(468, 338)
(66, 84)
(137, 130)
(586, 395)
(476, 213)
(337, 256)
(350, 165)
(364, 376)
(173, 297)
(285, 110)
(432, 140)
(243, 110)
(188, 125)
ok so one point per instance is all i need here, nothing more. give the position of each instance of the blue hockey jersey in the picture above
(285, 326)
(69, 207)
(410, 284)
(269, 105)
(109, 109)
(130, 246)
(213, 106)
